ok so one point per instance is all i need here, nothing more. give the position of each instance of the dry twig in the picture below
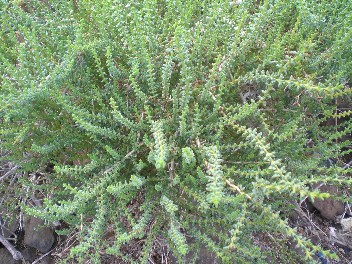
(14, 252)
(9, 173)
(237, 189)
(41, 257)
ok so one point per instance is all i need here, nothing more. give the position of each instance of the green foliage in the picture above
(215, 184)
(201, 113)
(160, 152)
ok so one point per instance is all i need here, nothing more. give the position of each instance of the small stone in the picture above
(47, 260)
(29, 254)
(37, 236)
(346, 224)
(329, 208)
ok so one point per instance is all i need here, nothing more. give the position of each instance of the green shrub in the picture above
(199, 110)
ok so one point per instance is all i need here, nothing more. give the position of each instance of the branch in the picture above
(2, 227)
(10, 172)
(126, 157)
(14, 252)
(347, 165)
(41, 257)
(235, 188)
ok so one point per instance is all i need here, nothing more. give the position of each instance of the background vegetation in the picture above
(207, 115)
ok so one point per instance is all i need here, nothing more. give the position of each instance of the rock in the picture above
(347, 224)
(204, 257)
(329, 208)
(38, 236)
(47, 260)
(6, 257)
(340, 238)
(29, 254)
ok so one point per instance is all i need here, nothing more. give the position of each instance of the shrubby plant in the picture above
(207, 114)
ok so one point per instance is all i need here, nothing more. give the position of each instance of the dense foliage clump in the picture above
(208, 113)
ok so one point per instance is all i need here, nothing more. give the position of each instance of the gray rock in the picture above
(47, 260)
(203, 256)
(29, 254)
(329, 208)
(37, 236)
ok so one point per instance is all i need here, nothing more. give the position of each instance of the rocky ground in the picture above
(326, 222)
